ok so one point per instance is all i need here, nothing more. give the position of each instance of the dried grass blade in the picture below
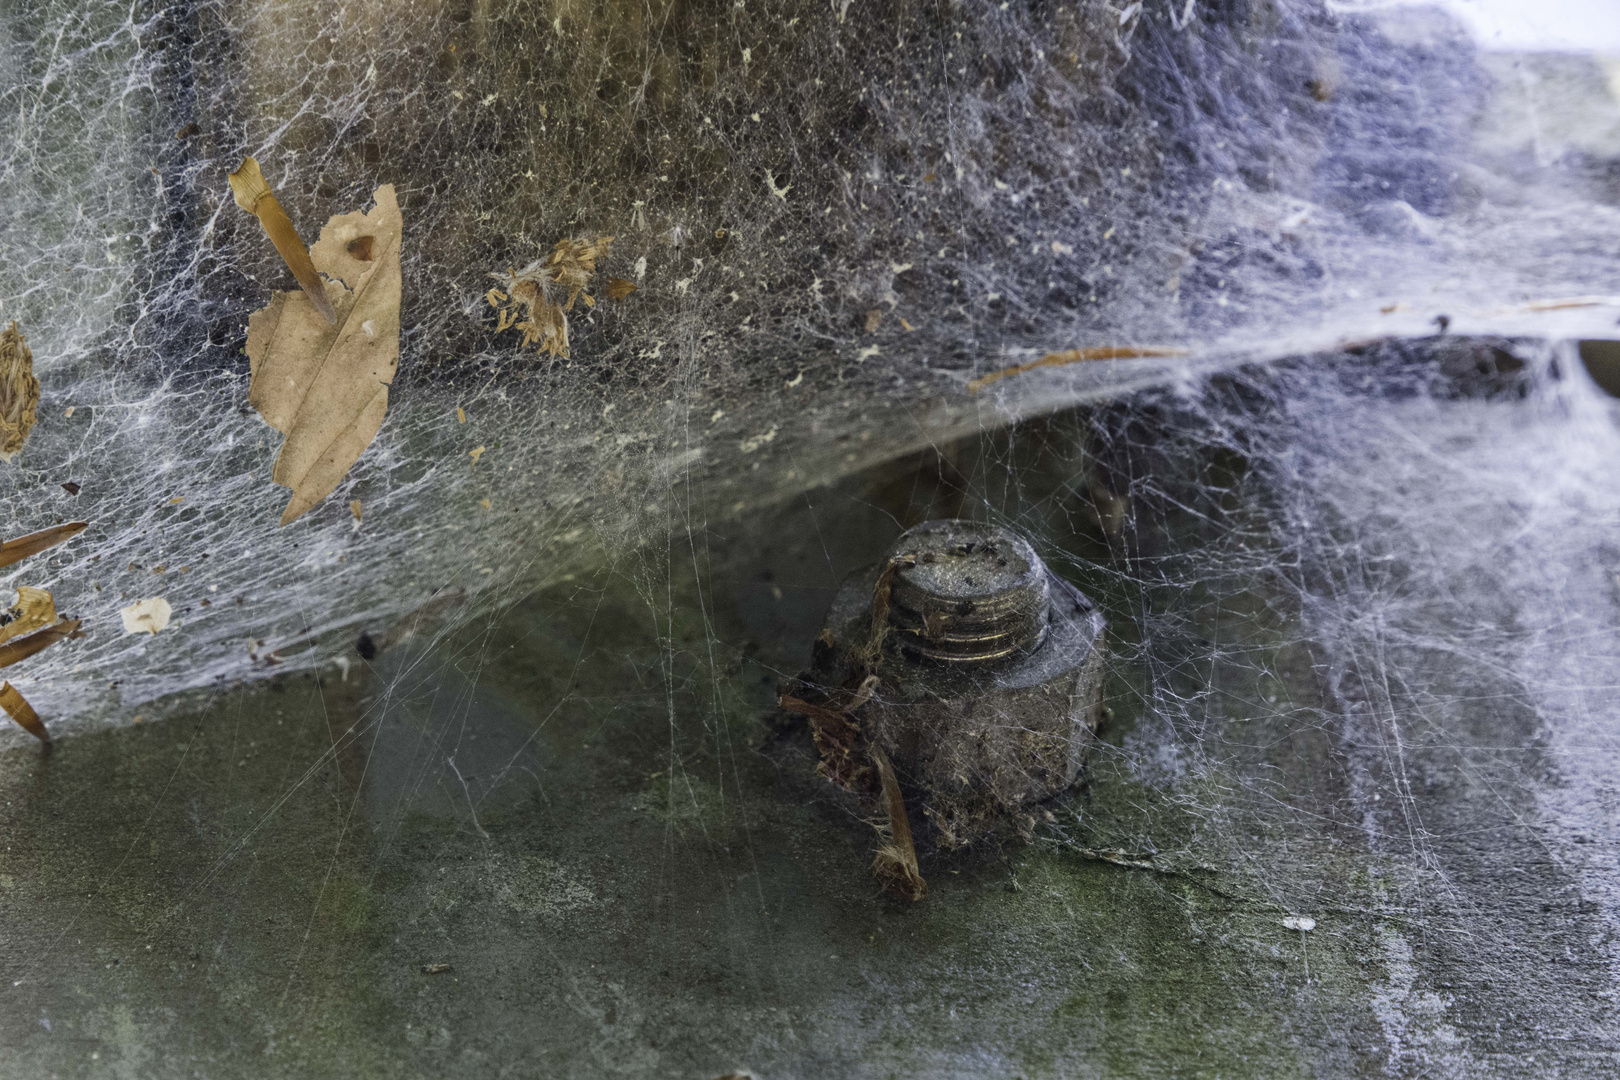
(1075, 356)
(252, 193)
(19, 549)
(21, 649)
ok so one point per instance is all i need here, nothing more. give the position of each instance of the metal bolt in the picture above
(971, 666)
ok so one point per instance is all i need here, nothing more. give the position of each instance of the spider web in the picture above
(1355, 546)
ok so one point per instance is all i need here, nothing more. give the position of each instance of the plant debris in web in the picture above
(146, 616)
(895, 864)
(22, 648)
(34, 609)
(252, 193)
(31, 624)
(533, 299)
(1073, 356)
(17, 550)
(18, 709)
(325, 385)
(19, 391)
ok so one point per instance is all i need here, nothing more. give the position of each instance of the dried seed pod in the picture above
(19, 392)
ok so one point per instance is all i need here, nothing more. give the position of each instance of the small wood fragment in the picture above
(19, 391)
(436, 969)
(18, 709)
(252, 193)
(1075, 356)
(34, 543)
(71, 488)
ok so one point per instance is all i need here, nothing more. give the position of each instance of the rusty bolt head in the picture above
(989, 676)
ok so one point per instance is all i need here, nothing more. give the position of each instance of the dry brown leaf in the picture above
(18, 709)
(34, 543)
(1075, 356)
(252, 193)
(19, 391)
(23, 648)
(35, 609)
(618, 288)
(326, 387)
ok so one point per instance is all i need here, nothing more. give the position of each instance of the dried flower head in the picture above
(533, 299)
(19, 391)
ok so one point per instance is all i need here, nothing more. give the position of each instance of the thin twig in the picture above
(1075, 356)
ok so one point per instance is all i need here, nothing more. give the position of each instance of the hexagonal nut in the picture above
(980, 745)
